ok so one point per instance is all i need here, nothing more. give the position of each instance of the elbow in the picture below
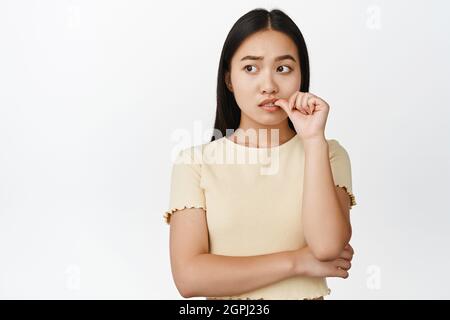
(326, 253)
(184, 282)
(329, 251)
(187, 278)
(185, 289)
(183, 286)
(186, 293)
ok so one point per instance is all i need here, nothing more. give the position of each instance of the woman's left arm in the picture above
(327, 227)
(325, 216)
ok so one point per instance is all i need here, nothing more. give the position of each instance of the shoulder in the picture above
(335, 147)
(195, 154)
(187, 155)
(333, 143)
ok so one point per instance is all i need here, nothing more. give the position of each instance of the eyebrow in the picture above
(283, 57)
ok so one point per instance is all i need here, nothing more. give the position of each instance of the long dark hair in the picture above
(228, 113)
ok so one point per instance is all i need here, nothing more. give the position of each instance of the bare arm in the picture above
(198, 273)
(327, 226)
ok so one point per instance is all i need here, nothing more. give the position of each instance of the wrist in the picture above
(315, 142)
(291, 263)
(298, 263)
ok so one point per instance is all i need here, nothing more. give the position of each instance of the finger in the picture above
(305, 102)
(287, 105)
(311, 104)
(298, 98)
(342, 273)
(302, 102)
(338, 272)
(298, 103)
(346, 255)
(292, 100)
(350, 248)
(284, 104)
(344, 264)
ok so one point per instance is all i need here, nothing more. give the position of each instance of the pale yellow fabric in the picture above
(253, 208)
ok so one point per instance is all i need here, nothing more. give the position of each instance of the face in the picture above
(266, 65)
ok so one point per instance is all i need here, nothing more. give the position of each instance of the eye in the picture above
(246, 67)
(290, 69)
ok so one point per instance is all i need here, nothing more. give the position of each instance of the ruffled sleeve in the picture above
(341, 168)
(185, 190)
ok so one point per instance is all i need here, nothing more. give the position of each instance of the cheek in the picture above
(290, 84)
(244, 83)
(244, 90)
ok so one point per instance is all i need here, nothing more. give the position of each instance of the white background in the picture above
(91, 93)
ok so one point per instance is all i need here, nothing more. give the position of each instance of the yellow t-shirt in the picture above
(253, 199)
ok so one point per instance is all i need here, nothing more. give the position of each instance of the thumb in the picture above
(284, 104)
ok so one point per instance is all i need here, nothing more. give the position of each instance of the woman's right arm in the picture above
(197, 273)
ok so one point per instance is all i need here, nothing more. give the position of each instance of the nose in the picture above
(268, 85)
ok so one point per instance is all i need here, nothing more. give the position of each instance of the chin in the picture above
(266, 118)
(271, 120)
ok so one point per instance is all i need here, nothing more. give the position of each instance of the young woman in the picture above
(246, 231)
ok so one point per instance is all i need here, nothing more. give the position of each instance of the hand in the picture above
(308, 114)
(308, 265)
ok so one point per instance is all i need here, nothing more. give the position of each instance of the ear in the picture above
(228, 81)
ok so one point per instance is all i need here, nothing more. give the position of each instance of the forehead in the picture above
(267, 43)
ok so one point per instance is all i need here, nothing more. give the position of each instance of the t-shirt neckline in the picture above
(283, 145)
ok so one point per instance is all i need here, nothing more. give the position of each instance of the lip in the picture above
(266, 101)
(271, 109)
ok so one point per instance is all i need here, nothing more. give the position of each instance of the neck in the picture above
(261, 135)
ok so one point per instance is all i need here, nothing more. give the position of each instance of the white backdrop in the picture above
(91, 93)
